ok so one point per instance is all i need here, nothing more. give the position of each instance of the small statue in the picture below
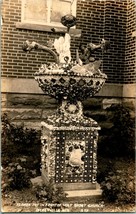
(68, 21)
(86, 55)
(29, 46)
(75, 157)
(62, 46)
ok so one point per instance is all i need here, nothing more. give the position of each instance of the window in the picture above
(47, 12)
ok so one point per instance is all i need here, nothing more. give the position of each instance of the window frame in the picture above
(48, 23)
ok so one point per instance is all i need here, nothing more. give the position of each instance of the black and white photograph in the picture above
(68, 89)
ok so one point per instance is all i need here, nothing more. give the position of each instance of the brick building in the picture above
(112, 19)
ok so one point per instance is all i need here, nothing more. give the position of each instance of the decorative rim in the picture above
(71, 74)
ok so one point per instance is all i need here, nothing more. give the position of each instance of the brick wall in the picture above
(90, 14)
(130, 57)
(113, 30)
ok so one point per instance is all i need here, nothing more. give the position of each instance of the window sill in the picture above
(47, 28)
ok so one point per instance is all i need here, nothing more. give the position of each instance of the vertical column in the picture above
(95, 139)
(48, 154)
(60, 156)
(88, 157)
(51, 154)
(44, 154)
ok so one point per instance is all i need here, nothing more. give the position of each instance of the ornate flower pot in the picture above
(70, 86)
(69, 139)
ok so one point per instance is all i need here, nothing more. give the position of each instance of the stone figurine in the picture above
(87, 51)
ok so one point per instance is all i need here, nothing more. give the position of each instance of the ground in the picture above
(26, 201)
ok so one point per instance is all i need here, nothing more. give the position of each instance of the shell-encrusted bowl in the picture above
(71, 86)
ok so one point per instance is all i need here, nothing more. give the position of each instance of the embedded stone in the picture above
(92, 103)
(3, 100)
(46, 113)
(106, 103)
(97, 115)
(30, 101)
(22, 114)
(33, 125)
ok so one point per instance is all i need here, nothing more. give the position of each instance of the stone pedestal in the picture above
(69, 148)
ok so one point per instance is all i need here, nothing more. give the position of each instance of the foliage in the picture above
(50, 193)
(119, 187)
(120, 138)
(104, 167)
(17, 134)
(14, 177)
(20, 155)
(17, 141)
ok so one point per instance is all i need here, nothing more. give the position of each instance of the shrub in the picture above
(119, 187)
(18, 134)
(50, 193)
(17, 141)
(104, 167)
(20, 155)
(120, 138)
(14, 177)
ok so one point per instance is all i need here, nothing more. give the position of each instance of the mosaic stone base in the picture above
(78, 186)
(69, 149)
(77, 194)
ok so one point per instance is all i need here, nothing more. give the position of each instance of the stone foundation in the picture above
(30, 109)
